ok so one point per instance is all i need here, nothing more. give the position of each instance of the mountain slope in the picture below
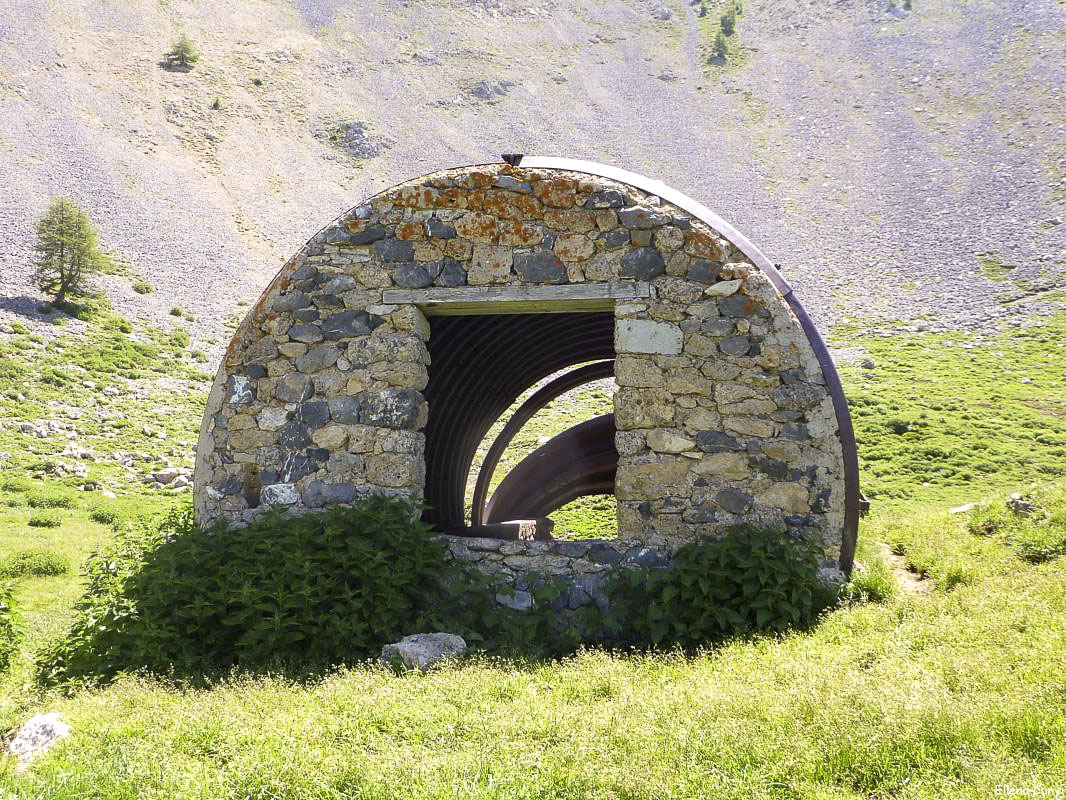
(879, 156)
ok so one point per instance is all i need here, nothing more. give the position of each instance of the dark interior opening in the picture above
(480, 365)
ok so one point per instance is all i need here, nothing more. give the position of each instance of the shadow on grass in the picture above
(299, 596)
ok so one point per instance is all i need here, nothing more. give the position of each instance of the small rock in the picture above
(167, 475)
(963, 509)
(722, 289)
(867, 363)
(38, 735)
(1019, 505)
(422, 650)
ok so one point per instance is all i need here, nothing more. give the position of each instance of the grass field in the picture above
(951, 684)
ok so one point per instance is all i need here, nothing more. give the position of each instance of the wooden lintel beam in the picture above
(441, 301)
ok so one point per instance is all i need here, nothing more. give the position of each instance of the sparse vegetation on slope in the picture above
(949, 418)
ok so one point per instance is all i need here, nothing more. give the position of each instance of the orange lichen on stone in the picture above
(556, 192)
(702, 245)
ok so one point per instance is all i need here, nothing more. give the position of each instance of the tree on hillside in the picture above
(183, 53)
(67, 250)
(721, 47)
(729, 21)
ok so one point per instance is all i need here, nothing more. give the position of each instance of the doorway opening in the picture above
(520, 435)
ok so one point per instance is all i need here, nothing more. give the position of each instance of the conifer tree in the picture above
(67, 250)
(721, 47)
(183, 53)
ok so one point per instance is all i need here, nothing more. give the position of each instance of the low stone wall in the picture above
(583, 565)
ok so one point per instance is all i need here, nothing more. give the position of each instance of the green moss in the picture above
(991, 267)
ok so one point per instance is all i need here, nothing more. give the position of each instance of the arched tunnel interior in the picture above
(480, 365)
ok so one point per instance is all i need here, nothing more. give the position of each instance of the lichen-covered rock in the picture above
(37, 735)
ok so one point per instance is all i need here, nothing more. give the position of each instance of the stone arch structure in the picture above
(381, 353)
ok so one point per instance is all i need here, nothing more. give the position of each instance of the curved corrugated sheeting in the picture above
(480, 366)
(580, 461)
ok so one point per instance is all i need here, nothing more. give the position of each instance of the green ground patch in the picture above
(990, 266)
(941, 418)
(945, 694)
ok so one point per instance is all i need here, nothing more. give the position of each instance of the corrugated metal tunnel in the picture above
(479, 366)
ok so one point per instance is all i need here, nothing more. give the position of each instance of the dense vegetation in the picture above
(318, 590)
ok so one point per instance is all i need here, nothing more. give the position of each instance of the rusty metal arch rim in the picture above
(849, 449)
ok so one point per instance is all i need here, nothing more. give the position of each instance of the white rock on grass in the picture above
(35, 737)
(422, 650)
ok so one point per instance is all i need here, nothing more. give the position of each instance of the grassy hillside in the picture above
(945, 681)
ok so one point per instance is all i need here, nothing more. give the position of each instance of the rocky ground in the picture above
(898, 165)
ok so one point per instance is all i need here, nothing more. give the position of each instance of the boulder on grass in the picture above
(422, 650)
(36, 737)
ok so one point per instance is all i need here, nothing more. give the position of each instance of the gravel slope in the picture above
(871, 152)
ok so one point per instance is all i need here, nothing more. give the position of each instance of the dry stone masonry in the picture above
(722, 409)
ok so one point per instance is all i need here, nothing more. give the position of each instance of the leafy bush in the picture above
(176, 311)
(105, 516)
(748, 580)
(36, 562)
(45, 521)
(8, 630)
(330, 587)
(50, 500)
(141, 286)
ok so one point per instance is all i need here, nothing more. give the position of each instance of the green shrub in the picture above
(18, 327)
(8, 630)
(257, 81)
(198, 355)
(141, 286)
(179, 337)
(317, 589)
(105, 516)
(330, 587)
(45, 521)
(176, 311)
(746, 581)
(36, 562)
(49, 500)
(15, 485)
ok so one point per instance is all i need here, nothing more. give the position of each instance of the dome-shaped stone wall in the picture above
(728, 408)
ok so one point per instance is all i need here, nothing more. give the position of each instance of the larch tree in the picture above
(67, 250)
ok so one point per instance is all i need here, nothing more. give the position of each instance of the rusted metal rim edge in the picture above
(737, 239)
(537, 401)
